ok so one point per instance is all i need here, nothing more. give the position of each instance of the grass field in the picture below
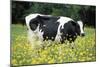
(23, 54)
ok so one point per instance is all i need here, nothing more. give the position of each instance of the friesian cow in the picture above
(55, 28)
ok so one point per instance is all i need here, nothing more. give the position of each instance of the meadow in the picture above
(23, 54)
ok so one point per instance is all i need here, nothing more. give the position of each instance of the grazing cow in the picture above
(55, 28)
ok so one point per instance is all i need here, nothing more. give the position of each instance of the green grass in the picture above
(23, 54)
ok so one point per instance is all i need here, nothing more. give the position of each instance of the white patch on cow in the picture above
(40, 35)
(36, 34)
(62, 21)
(35, 38)
(44, 25)
(81, 26)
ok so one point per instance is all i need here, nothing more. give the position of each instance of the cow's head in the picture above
(36, 23)
(81, 28)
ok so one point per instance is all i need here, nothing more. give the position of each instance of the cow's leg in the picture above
(72, 41)
(30, 37)
(63, 38)
(35, 41)
(40, 38)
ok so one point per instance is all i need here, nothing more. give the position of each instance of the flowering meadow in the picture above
(22, 52)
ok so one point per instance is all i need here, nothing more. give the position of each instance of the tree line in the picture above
(78, 12)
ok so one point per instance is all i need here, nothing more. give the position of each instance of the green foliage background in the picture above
(76, 12)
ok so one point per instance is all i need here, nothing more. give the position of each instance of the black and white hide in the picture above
(54, 28)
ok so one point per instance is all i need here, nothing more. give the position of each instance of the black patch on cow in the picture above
(70, 31)
(33, 24)
(47, 19)
(50, 31)
(49, 26)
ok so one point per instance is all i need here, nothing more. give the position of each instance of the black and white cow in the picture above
(55, 28)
